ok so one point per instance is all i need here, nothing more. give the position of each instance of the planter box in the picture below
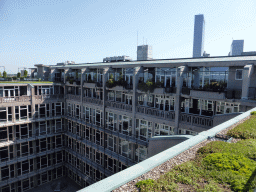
(117, 88)
(159, 90)
(207, 94)
(90, 85)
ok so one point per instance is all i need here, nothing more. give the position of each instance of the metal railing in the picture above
(168, 115)
(197, 120)
(46, 97)
(119, 105)
(15, 99)
(233, 93)
(252, 93)
(74, 97)
(185, 90)
(93, 100)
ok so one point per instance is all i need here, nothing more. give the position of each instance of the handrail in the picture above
(194, 119)
(23, 98)
(168, 115)
(119, 105)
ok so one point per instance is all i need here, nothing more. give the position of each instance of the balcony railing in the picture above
(48, 97)
(200, 120)
(170, 89)
(234, 93)
(93, 101)
(168, 115)
(119, 105)
(15, 99)
(252, 93)
(185, 90)
(74, 97)
(58, 79)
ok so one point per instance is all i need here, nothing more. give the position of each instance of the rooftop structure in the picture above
(198, 45)
(144, 52)
(237, 47)
(117, 58)
(95, 120)
(249, 53)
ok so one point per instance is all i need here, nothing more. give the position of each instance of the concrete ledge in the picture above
(125, 176)
(158, 144)
(207, 94)
(171, 137)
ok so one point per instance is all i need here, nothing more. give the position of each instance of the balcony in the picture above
(207, 94)
(92, 84)
(48, 97)
(74, 97)
(58, 79)
(170, 89)
(71, 81)
(15, 99)
(197, 120)
(185, 90)
(234, 93)
(252, 93)
(119, 85)
(167, 115)
(119, 105)
(92, 101)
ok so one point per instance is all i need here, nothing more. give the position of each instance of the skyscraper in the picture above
(237, 47)
(198, 46)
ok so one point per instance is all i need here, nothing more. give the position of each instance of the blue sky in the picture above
(52, 31)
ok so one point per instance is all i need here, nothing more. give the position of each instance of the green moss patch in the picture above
(246, 130)
(245, 147)
(235, 170)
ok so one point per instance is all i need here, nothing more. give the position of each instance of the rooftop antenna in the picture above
(146, 41)
(143, 40)
(137, 38)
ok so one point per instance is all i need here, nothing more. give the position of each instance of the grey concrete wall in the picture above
(218, 119)
(40, 72)
(232, 82)
(207, 94)
(160, 143)
(253, 79)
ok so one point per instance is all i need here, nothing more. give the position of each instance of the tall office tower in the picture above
(198, 46)
(144, 52)
(237, 47)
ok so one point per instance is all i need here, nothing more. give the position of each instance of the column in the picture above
(13, 114)
(52, 75)
(105, 78)
(136, 73)
(65, 74)
(180, 71)
(82, 92)
(32, 88)
(247, 74)
(196, 82)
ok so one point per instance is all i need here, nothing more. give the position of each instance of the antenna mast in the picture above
(137, 38)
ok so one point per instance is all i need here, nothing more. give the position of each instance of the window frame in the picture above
(241, 75)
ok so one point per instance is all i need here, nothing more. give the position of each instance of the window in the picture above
(239, 74)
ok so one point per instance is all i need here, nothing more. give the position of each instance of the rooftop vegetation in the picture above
(149, 86)
(25, 82)
(218, 166)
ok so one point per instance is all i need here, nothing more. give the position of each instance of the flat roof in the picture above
(163, 61)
